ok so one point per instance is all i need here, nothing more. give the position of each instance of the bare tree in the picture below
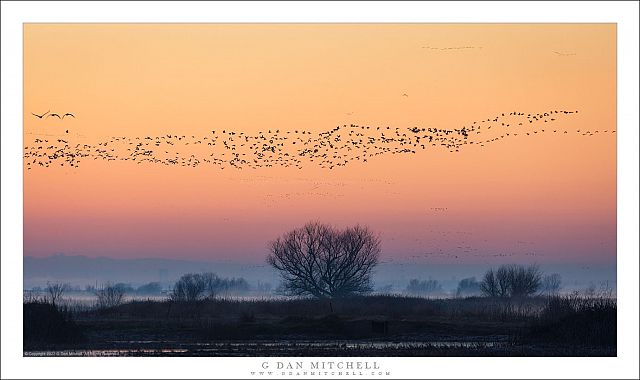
(503, 277)
(511, 281)
(110, 295)
(324, 262)
(55, 292)
(551, 284)
(524, 281)
(489, 284)
(416, 286)
(468, 287)
(191, 287)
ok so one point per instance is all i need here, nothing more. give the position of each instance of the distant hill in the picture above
(82, 270)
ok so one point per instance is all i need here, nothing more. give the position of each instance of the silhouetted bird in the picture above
(40, 116)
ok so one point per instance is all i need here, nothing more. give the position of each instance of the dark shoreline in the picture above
(359, 326)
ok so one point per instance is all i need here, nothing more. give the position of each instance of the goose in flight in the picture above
(40, 116)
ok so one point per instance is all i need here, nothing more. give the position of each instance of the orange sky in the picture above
(545, 197)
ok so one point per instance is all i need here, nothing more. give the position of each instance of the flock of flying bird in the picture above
(338, 147)
(48, 115)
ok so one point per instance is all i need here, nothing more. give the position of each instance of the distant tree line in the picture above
(110, 295)
(505, 282)
(148, 288)
(518, 281)
(468, 287)
(193, 287)
(417, 287)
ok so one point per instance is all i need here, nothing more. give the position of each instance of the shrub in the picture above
(150, 288)
(423, 287)
(44, 323)
(511, 281)
(577, 320)
(551, 284)
(468, 287)
(191, 287)
(55, 292)
(110, 295)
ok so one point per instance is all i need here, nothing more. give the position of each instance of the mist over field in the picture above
(81, 271)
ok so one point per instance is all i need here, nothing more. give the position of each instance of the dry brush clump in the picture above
(54, 292)
(195, 287)
(574, 319)
(511, 281)
(468, 287)
(109, 295)
(424, 287)
(392, 307)
(47, 320)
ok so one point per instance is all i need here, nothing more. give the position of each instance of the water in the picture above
(258, 348)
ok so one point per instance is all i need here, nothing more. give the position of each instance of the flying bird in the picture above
(559, 53)
(40, 116)
(54, 114)
(68, 114)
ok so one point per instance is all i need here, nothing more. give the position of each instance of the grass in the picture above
(576, 320)
(490, 309)
(46, 324)
(534, 326)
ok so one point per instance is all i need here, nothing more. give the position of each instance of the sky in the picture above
(547, 197)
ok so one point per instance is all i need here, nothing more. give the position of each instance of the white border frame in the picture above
(14, 14)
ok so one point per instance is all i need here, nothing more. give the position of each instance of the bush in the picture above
(55, 292)
(551, 284)
(44, 323)
(127, 288)
(193, 287)
(150, 288)
(511, 281)
(110, 295)
(577, 320)
(468, 287)
(190, 287)
(423, 287)
(236, 285)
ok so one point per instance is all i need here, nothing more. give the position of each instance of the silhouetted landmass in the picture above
(575, 320)
(475, 326)
(83, 270)
(47, 325)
